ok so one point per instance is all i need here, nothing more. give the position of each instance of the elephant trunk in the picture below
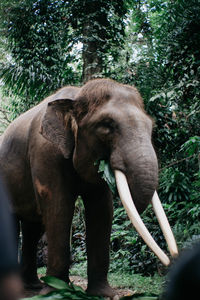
(141, 170)
(137, 185)
(142, 176)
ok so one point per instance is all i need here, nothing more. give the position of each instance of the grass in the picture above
(135, 282)
(79, 269)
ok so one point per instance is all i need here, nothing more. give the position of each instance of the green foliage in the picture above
(99, 25)
(178, 34)
(39, 50)
(103, 19)
(175, 186)
(179, 187)
(78, 234)
(41, 43)
(107, 174)
(192, 146)
(129, 253)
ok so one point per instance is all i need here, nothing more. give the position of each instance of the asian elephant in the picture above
(48, 156)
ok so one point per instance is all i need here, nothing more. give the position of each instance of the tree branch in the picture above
(5, 113)
(177, 162)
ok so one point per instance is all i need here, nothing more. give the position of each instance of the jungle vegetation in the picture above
(152, 44)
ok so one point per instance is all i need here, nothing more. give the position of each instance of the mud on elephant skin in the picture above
(48, 157)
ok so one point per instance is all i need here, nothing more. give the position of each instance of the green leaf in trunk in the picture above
(108, 175)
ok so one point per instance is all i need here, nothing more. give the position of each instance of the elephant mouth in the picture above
(137, 222)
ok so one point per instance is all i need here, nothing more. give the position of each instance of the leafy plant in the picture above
(62, 291)
(192, 146)
(39, 50)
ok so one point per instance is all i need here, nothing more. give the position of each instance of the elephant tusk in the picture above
(164, 224)
(134, 216)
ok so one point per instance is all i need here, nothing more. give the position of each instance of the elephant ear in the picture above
(56, 125)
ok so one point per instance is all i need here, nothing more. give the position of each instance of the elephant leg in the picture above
(31, 233)
(99, 213)
(58, 222)
(56, 192)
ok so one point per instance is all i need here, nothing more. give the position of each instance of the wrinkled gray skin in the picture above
(48, 158)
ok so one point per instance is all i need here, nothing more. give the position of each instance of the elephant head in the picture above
(107, 120)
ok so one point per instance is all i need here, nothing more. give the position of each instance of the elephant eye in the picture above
(105, 127)
(103, 130)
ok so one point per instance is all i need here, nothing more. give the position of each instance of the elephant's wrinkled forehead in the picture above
(123, 113)
(123, 110)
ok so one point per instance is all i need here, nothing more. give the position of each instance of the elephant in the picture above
(48, 157)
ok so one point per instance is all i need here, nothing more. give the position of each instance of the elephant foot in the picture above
(102, 290)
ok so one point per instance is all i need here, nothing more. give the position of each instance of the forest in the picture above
(150, 44)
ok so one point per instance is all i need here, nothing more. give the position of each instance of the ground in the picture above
(80, 281)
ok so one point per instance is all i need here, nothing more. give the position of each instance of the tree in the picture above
(39, 46)
(99, 25)
(41, 36)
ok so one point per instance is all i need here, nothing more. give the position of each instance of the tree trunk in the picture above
(92, 58)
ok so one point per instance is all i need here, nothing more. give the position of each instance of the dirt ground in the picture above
(77, 280)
